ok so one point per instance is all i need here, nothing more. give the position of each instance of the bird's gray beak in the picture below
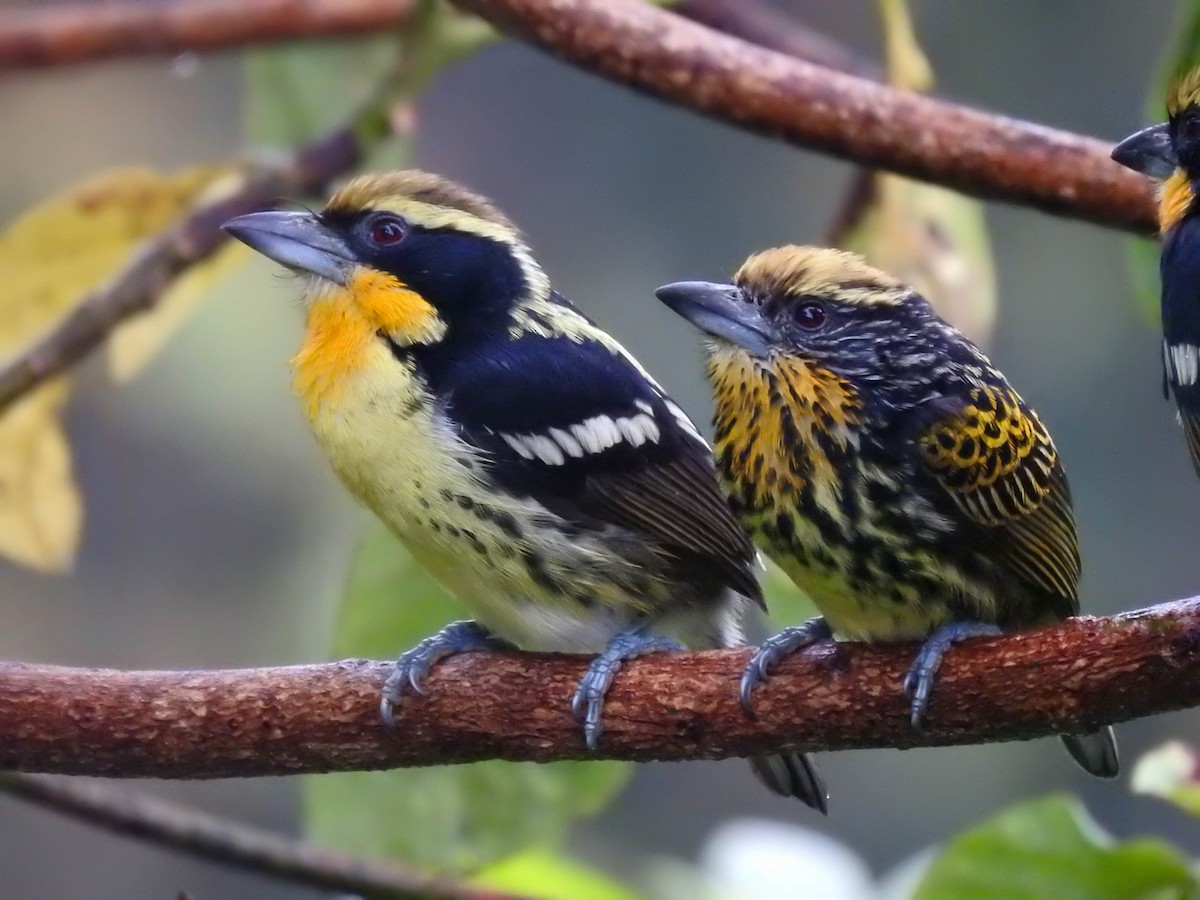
(722, 311)
(1148, 151)
(297, 240)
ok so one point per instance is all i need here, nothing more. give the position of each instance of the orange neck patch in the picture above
(768, 414)
(1174, 200)
(343, 323)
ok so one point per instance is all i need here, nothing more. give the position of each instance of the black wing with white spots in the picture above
(579, 428)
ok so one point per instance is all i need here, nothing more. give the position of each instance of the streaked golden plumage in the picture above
(410, 188)
(884, 463)
(1183, 92)
(767, 413)
(1175, 197)
(794, 271)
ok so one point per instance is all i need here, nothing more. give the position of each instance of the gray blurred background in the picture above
(215, 535)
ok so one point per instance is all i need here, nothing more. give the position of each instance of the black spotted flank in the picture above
(663, 489)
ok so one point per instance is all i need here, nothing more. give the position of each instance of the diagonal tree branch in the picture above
(161, 259)
(1071, 677)
(971, 151)
(769, 26)
(55, 34)
(190, 831)
(437, 38)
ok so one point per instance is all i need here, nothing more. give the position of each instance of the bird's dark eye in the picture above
(810, 315)
(386, 231)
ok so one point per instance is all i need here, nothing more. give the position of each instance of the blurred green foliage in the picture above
(297, 91)
(457, 817)
(544, 876)
(1050, 848)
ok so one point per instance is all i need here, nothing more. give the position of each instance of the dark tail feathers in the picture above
(792, 775)
(1096, 753)
(1191, 431)
(785, 774)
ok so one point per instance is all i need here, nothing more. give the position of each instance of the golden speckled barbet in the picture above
(884, 463)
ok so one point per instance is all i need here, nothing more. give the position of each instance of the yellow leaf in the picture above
(932, 238)
(40, 511)
(135, 343)
(907, 66)
(51, 257)
(138, 341)
(937, 241)
(60, 250)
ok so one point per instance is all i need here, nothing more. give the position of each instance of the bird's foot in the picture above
(773, 649)
(411, 668)
(588, 702)
(918, 683)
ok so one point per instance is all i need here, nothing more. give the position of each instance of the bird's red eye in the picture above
(810, 315)
(387, 231)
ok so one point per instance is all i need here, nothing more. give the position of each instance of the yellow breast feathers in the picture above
(342, 325)
(1174, 198)
(768, 417)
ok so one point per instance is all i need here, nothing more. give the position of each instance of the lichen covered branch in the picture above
(319, 718)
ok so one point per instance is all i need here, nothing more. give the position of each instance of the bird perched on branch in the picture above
(883, 462)
(1170, 153)
(521, 454)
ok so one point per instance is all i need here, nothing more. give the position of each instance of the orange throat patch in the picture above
(342, 327)
(1174, 200)
(769, 414)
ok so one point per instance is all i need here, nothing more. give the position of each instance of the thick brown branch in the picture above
(320, 718)
(59, 34)
(851, 118)
(190, 831)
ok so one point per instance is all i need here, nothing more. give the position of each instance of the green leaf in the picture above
(786, 603)
(457, 817)
(1171, 772)
(1050, 848)
(544, 876)
(301, 89)
(1143, 256)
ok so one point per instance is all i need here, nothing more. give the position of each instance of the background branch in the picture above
(769, 26)
(59, 34)
(150, 271)
(717, 74)
(190, 831)
(435, 39)
(1071, 677)
(55, 34)
(971, 151)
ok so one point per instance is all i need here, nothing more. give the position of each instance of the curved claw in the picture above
(587, 704)
(919, 680)
(774, 649)
(410, 669)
